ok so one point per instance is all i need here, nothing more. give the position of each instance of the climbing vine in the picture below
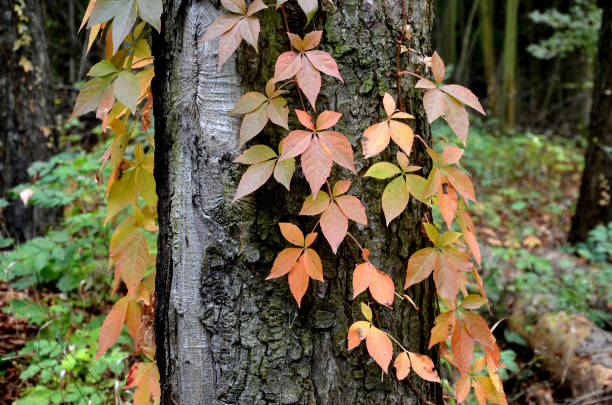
(119, 92)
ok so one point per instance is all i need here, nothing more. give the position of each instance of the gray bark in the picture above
(24, 114)
(224, 334)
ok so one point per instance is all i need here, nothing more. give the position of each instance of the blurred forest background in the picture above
(534, 65)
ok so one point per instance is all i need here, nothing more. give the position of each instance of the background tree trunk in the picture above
(594, 204)
(510, 45)
(488, 51)
(224, 334)
(25, 119)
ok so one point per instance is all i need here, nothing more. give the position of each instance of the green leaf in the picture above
(150, 11)
(394, 199)
(127, 90)
(89, 96)
(123, 22)
(383, 170)
(309, 7)
(102, 68)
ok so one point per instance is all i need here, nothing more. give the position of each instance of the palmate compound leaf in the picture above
(377, 136)
(239, 25)
(380, 284)
(306, 65)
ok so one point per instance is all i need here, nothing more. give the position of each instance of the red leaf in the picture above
(305, 119)
(315, 206)
(312, 39)
(340, 148)
(395, 198)
(253, 178)
(451, 155)
(376, 139)
(402, 365)
(292, 233)
(402, 135)
(434, 104)
(287, 65)
(312, 264)
(351, 207)
(327, 119)
(356, 333)
(221, 25)
(424, 367)
(298, 282)
(316, 165)
(334, 226)
(295, 144)
(446, 278)
(361, 278)
(457, 118)
(324, 63)
(437, 68)
(420, 266)
(464, 95)
(380, 347)
(284, 262)
(228, 43)
(111, 328)
(309, 80)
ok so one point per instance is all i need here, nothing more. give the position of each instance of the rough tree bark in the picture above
(224, 334)
(25, 119)
(595, 202)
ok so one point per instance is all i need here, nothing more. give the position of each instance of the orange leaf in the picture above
(324, 63)
(295, 144)
(437, 68)
(361, 278)
(440, 332)
(456, 117)
(424, 367)
(111, 328)
(376, 139)
(447, 201)
(402, 135)
(253, 178)
(402, 365)
(292, 233)
(284, 262)
(356, 333)
(451, 155)
(327, 119)
(334, 226)
(464, 95)
(380, 347)
(312, 39)
(462, 347)
(462, 388)
(461, 182)
(310, 238)
(315, 206)
(228, 44)
(221, 25)
(446, 278)
(316, 165)
(340, 148)
(133, 320)
(381, 287)
(312, 264)
(287, 65)
(249, 103)
(298, 282)
(420, 266)
(296, 41)
(389, 104)
(434, 104)
(305, 119)
(341, 187)
(352, 208)
(253, 123)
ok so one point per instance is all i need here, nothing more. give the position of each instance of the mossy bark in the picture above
(224, 334)
(25, 112)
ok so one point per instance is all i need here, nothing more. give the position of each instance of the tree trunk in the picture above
(224, 334)
(510, 53)
(488, 51)
(594, 204)
(25, 119)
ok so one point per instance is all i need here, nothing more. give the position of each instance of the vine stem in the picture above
(356, 241)
(399, 51)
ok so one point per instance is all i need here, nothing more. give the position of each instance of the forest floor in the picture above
(53, 296)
